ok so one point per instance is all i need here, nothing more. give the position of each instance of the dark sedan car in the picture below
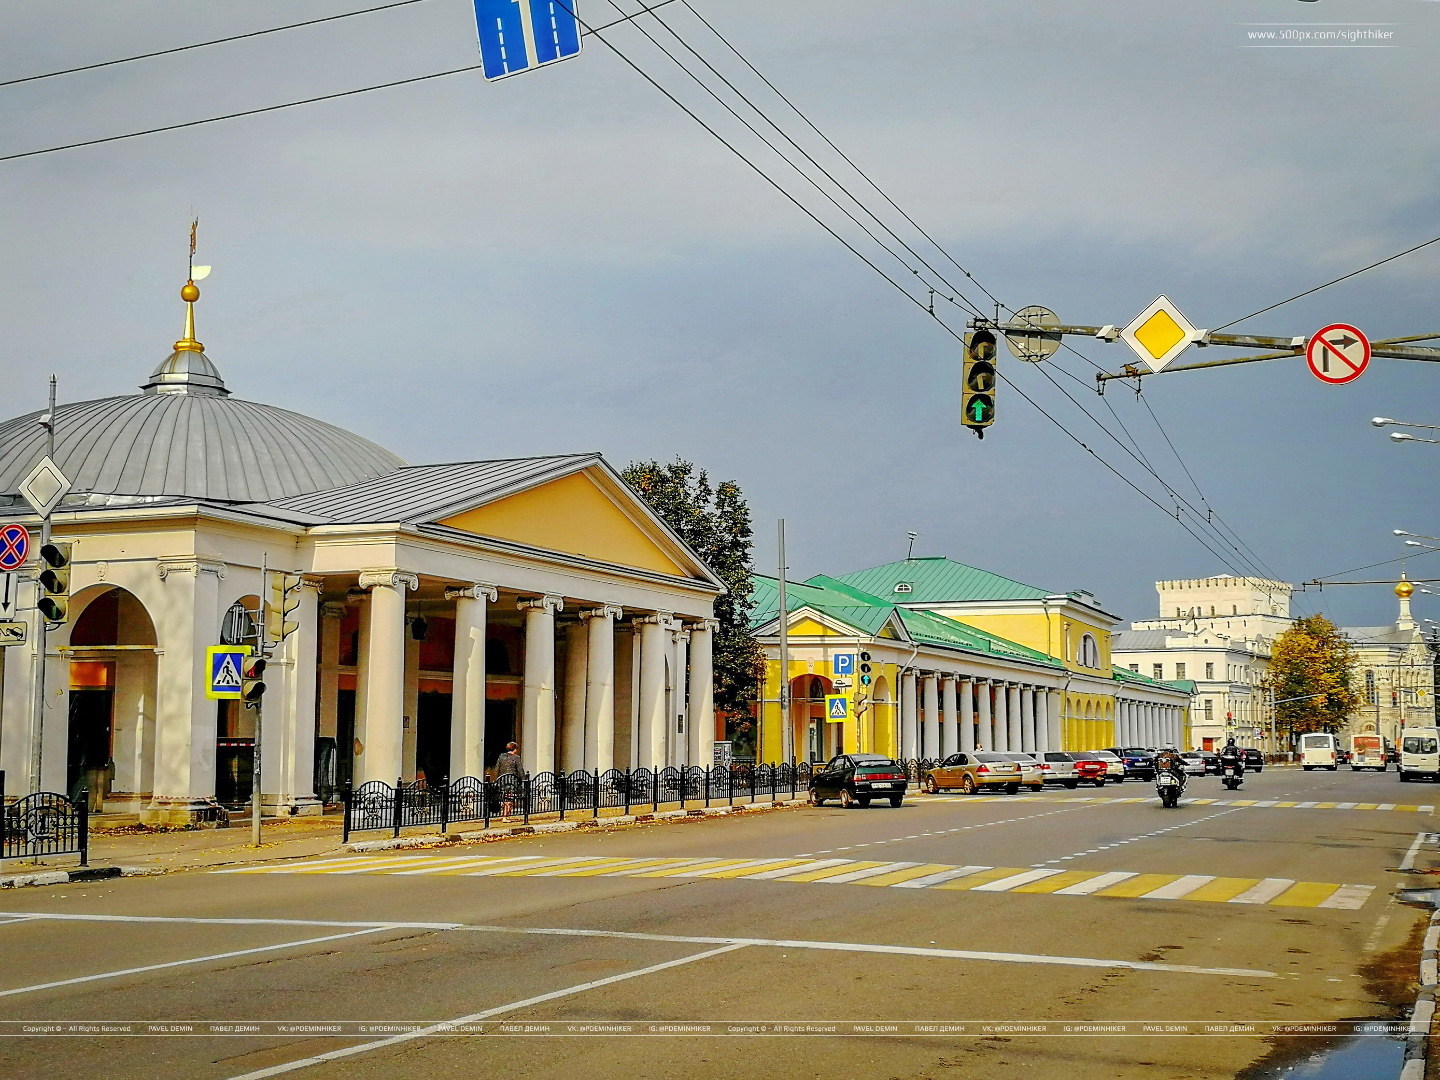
(855, 779)
(1212, 762)
(1139, 763)
(1253, 758)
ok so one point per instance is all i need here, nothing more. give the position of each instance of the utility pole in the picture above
(786, 736)
(259, 708)
(37, 726)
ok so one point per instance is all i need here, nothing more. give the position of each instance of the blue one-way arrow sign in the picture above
(516, 35)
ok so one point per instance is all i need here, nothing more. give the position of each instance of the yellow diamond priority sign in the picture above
(1159, 334)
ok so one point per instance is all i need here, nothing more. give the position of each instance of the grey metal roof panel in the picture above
(1139, 641)
(205, 447)
(427, 492)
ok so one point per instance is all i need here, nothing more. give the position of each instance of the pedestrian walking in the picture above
(509, 764)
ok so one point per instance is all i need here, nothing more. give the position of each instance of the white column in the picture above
(1122, 721)
(328, 688)
(1039, 699)
(1053, 721)
(1000, 736)
(679, 715)
(187, 622)
(1027, 719)
(909, 722)
(467, 679)
(600, 687)
(1012, 715)
(967, 716)
(949, 727)
(537, 739)
(384, 675)
(654, 631)
(930, 741)
(287, 758)
(572, 713)
(702, 692)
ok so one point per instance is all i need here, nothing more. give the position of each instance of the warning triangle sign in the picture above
(227, 675)
(837, 708)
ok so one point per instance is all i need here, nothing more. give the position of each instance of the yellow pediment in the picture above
(810, 628)
(572, 515)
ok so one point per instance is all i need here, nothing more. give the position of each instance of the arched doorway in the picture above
(234, 723)
(814, 738)
(877, 723)
(112, 685)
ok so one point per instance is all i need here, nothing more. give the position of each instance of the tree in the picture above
(715, 523)
(1310, 678)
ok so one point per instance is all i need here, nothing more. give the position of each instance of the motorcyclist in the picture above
(1169, 760)
(1232, 758)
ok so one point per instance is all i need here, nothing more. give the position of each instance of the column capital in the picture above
(314, 583)
(476, 590)
(189, 564)
(390, 578)
(663, 619)
(604, 611)
(550, 604)
(708, 626)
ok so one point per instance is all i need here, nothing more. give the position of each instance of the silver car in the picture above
(1194, 764)
(1031, 775)
(1058, 767)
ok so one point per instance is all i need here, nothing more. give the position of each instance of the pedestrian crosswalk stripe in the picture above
(1125, 884)
(1257, 804)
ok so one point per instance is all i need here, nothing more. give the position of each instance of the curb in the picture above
(505, 832)
(1423, 1015)
(63, 877)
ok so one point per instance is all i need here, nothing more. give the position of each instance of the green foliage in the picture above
(715, 523)
(1311, 658)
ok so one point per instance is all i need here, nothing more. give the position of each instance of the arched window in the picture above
(1089, 652)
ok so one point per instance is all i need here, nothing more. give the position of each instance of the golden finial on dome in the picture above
(1404, 589)
(190, 293)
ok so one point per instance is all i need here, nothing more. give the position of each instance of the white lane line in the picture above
(758, 864)
(389, 925)
(869, 871)
(1179, 888)
(1344, 806)
(660, 864)
(7, 922)
(1262, 893)
(786, 871)
(1014, 881)
(1386, 806)
(195, 960)
(896, 950)
(441, 865)
(450, 1025)
(1095, 884)
(1408, 863)
(1348, 897)
(936, 879)
(505, 868)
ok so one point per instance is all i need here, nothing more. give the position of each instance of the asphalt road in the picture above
(751, 945)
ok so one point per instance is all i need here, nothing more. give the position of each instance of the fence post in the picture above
(345, 820)
(4, 816)
(84, 826)
(708, 771)
(628, 778)
(794, 768)
(444, 805)
(597, 794)
(560, 792)
(655, 789)
(484, 799)
(398, 803)
(525, 793)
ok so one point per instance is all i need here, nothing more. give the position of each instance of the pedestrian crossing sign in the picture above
(223, 666)
(837, 708)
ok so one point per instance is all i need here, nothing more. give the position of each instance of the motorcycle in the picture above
(1231, 773)
(1169, 787)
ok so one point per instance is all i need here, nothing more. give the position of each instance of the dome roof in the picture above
(201, 446)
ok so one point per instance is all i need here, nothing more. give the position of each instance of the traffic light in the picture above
(54, 600)
(252, 681)
(284, 599)
(977, 398)
(867, 669)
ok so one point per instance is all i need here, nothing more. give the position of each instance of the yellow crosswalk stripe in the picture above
(531, 871)
(753, 868)
(1138, 885)
(907, 874)
(622, 865)
(1223, 889)
(1305, 894)
(714, 864)
(984, 877)
(1062, 880)
(829, 871)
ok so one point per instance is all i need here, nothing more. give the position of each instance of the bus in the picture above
(1368, 752)
(1317, 751)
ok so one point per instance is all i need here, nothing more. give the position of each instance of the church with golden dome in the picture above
(444, 609)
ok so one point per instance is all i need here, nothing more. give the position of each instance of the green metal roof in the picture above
(1126, 675)
(939, 580)
(869, 614)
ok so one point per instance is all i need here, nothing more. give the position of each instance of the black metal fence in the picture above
(46, 823)
(377, 805)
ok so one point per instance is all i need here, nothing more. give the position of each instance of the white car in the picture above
(1114, 767)
(1194, 764)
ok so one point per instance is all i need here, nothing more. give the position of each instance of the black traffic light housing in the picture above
(252, 684)
(867, 670)
(54, 600)
(977, 396)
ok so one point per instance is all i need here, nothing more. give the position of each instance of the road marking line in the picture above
(1348, 897)
(443, 865)
(1386, 806)
(388, 863)
(1306, 805)
(568, 864)
(450, 1025)
(782, 872)
(1062, 879)
(1345, 805)
(970, 881)
(821, 873)
(1305, 894)
(502, 867)
(936, 879)
(865, 872)
(1365, 806)
(675, 871)
(1223, 889)
(667, 864)
(1264, 892)
(897, 877)
(1178, 889)
(194, 960)
(623, 867)
(1006, 884)
(1408, 863)
(1138, 885)
(743, 872)
(1095, 884)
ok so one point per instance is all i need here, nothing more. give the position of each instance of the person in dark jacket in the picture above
(509, 777)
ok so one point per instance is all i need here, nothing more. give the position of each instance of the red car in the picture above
(1090, 770)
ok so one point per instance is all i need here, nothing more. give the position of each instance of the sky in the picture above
(565, 261)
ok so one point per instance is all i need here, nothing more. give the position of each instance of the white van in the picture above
(1419, 753)
(1317, 751)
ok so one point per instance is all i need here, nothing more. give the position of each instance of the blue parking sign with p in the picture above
(842, 664)
(516, 35)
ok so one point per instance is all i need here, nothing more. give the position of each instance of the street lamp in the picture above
(1382, 421)
(1401, 436)
(1416, 543)
(1422, 536)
